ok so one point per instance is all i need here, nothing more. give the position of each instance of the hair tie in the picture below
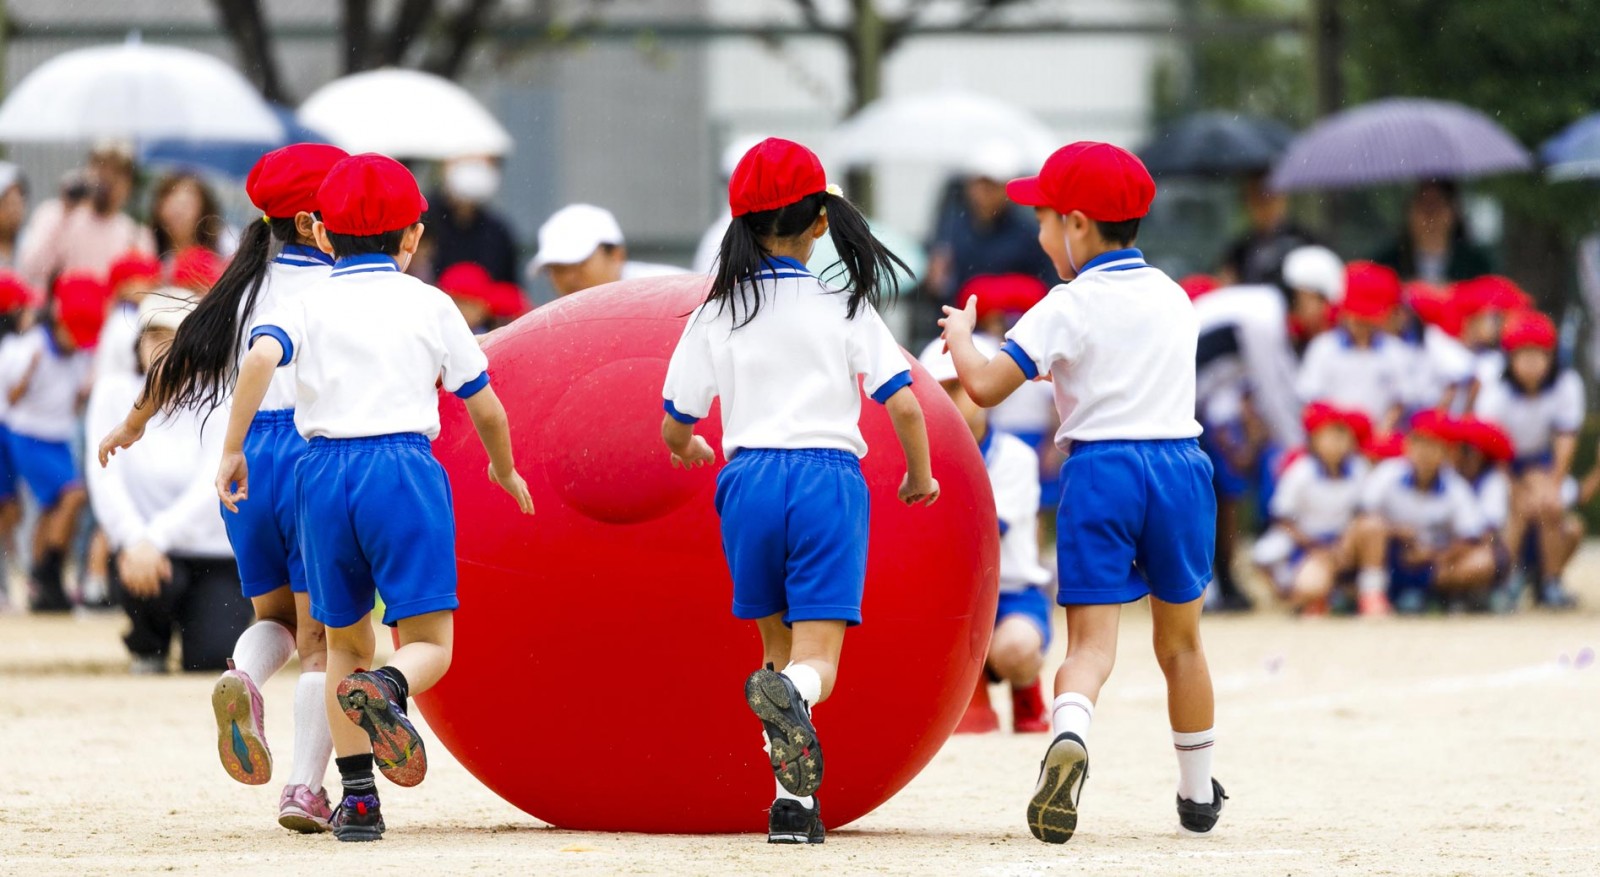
(267, 219)
(834, 190)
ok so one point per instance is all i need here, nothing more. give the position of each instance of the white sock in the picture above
(806, 680)
(1071, 713)
(1194, 764)
(313, 745)
(1373, 581)
(808, 801)
(262, 650)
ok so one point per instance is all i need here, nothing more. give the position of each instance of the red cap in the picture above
(284, 181)
(14, 293)
(1105, 183)
(1320, 414)
(1490, 440)
(81, 307)
(1197, 285)
(1361, 425)
(1384, 448)
(1491, 292)
(1433, 305)
(133, 265)
(1432, 424)
(774, 173)
(1372, 291)
(466, 280)
(1003, 293)
(197, 268)
(1528, 329)
(369, 194)
(506, 301)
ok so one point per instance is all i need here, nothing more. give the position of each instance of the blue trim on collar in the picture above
(780, 268)
(1410, 480)
(364, 263)
(1346, 466)
(1099, 263)
(50, 342)
(300, 254)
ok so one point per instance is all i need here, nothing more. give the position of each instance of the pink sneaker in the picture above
(241, 733)
(305, 811)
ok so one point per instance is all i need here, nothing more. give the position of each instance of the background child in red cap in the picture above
(793, 503)
(276, 263)
(15, 298)
(1360, 366)
(1137, 515)
(131, 277)
(44, 376)
(372, 504)
(472, 289)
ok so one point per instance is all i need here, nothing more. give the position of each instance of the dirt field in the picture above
(1438, 746)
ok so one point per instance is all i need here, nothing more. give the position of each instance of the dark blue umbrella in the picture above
(230, 159)
(1398, 140)
(1215, 144)
(1574, 153)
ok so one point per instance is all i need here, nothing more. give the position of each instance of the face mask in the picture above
(472, 181)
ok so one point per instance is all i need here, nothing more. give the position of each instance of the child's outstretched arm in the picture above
(987, 381)
(688, 448)
(494, 430)
(906, 415)
(255, 375)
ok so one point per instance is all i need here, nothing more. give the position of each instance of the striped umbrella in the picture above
(1398, 140)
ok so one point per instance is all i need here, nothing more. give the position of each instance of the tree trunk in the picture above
(409, 22)
(247, 29)
(461, 33)
(866, 47)
(357, 27)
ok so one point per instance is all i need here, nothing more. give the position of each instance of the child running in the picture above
(784, 352)
(276, 263)
(1138, 516)
(373, 505)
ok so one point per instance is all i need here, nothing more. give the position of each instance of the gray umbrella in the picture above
(1398, 140)
(1215, 144)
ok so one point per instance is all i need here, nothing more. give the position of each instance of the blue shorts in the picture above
(794, 530)
(1031, 603)
(375, 518)
(1228, 481)
(263, 535)
(45, 466)
(1136, 518)
(1403, 576)
(1522, 465)
(8, 470)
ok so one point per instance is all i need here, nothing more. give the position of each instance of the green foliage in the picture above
(1266, 77)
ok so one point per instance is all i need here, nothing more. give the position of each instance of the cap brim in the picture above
(565, 253)
(1027, 192)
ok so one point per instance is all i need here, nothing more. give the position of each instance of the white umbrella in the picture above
(136, 92)
(946, 127)
(405, 114)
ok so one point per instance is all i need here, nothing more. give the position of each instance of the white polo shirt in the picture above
(1318, 503)
(114, 353)
(294, 270)
(1014, 477)
(1439, 363)
(1533, 420)
(49, 409)
(370, 343)
(788, 378)
(1372, 380)
(1244, 337)
(1439, 515)
(1118, 342)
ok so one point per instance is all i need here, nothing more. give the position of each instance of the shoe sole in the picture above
(1053, 812)
(796, 754)
(358, 834)
(396, 746)
(243, 751)
(298, 820)
(791, 839)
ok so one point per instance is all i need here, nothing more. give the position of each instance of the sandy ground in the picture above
(1436, 746)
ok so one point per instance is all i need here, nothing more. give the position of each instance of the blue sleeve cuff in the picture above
(1021, 357)
(675, 414)
(472, 387)
(892, 386)
(1004, 528)
(278, 335)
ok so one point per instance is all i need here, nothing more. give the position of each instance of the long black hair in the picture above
(868, 266)
(199, 368)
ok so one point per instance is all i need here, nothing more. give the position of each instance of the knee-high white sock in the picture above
(808, 801)
(1194, 764)
(1072, 713)
(313, 745)
(1373, 581)
(807, 681)
(262, 650)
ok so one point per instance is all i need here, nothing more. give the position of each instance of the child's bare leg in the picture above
(1313, 580)
(1465, 568)
(775, 641)
(310, 637)
(1091, 654)
(1369, 542)
(1016, 652)
(1572, 537)
(1190, 703)
(349, 649)
(808, 653)
(817, 645)
(1517, 519)
(426, 644)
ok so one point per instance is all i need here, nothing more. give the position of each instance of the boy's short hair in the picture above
(387, 243)
(1122, 233)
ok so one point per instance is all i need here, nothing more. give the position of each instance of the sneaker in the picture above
(147, 665)
(305, 811)
(1504, 601)
(1200, 818)
(357, 819)
(1053, 812)
(796, 754)
(1027, 710)
(370, 703)
(241, 733)
(1412, 601)
(1373, 605)
(792, 823)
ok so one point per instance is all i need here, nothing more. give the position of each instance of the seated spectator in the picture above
(132, 277)
(196, 269)
(1311, 546)
(1421, 535)
(471, 288)
(1359, 365)
(1479, 306)
(1030, 412)
(173, 567)
(581, 246)
(1441, 369)
(506, 303)
(1541, 406)
(1314, 278)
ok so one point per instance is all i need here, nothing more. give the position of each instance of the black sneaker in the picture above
(357, 819)
(796, 754)
(1199, 818)
(371, 703)
(1053, 812)
(791, 823)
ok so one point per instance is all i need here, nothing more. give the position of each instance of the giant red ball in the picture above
(598, 673)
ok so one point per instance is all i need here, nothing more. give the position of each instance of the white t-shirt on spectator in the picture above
(48, 411)
(1372, 380)
(1533, 420)
(1250, 326)
(1014, 477)
(1319, 504)
(1439, 515)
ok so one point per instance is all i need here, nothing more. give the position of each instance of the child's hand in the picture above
(233, 470)
(919, 490)
(699, 453)
(514, 485)
(123, 436)
(960, 323)
(142, 569)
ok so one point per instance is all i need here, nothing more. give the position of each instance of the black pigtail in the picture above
(739, 257)
(870, 266)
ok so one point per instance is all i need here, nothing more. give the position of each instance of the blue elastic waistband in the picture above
(273, 417)
(829, 456)
(1151, 444)
(324, 445)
